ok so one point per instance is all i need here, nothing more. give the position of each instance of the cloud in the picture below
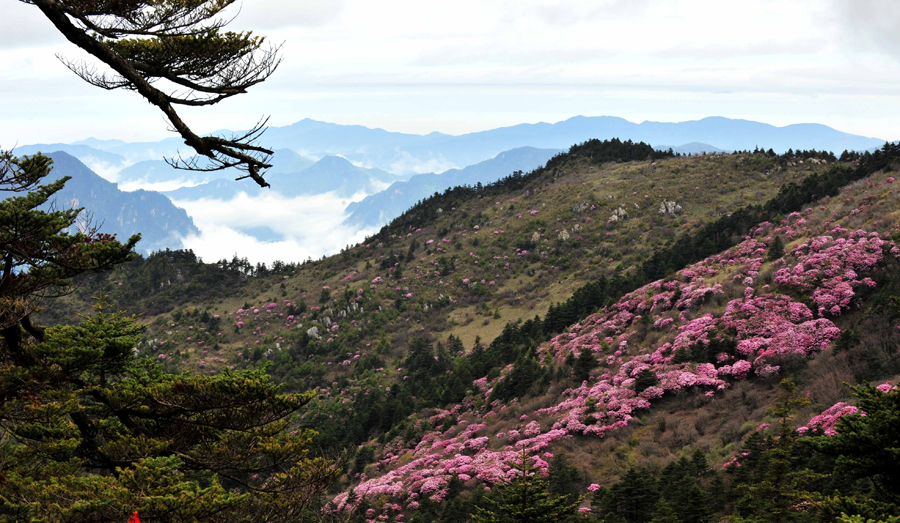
(23, 25)
(312, 226)
(407, 163)
(271, 14)
(871, 24)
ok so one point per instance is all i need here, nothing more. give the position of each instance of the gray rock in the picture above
(618, 215)
(669, 207)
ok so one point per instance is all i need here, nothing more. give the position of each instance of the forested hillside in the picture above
(619, 321)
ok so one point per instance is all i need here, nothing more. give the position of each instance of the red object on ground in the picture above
(134, 519)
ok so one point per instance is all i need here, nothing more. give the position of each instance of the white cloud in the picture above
(419, 66)
(407, 163)
(311, 226)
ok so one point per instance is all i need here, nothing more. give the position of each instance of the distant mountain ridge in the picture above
(156, 171)
(380, 208)
(160, 222)
(392, 151)
(405, 153)
(330, 174)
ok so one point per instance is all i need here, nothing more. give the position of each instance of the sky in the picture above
(466, 65)
(469, 65)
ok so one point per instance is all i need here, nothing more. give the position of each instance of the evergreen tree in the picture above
(525, 499)
(564, 478)
(39, 255)
(644, 380)
(866, 447)
(781, 495)
(776, 250)
(91, 432)
(184, 43)
(632, 499)
(585, 363)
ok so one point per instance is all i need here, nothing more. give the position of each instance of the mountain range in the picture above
(160, 222)
(297, 178)
(380, 208)
(392, 171)
(405, 153)
(283, 161)
(401, 152)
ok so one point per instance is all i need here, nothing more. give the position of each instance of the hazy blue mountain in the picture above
(331, 173)
(103, 145)
(153, 215)
(140, 151)
(405, 153)
(87, 154)
(283, 161)
(386, 205)
(690, 148)
(400, 152)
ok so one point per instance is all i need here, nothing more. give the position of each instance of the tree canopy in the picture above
(91, 432)
(173, 53)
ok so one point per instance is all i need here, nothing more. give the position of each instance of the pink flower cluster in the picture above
(828, 419)
(830, 267)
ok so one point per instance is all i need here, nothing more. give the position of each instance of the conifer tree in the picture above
(525, 499)
(781, 495)
(585, 363)
(866, 447)
(776, 250)
(91, 432)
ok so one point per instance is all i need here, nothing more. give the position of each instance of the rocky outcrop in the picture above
(563, 235)
(669, 207)
(618, 215)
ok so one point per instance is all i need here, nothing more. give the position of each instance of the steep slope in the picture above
(161, 224)
(427, 421)
(380, 208)
(94, 157)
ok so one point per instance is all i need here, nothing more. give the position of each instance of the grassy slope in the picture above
(677, 425)
(705, 186)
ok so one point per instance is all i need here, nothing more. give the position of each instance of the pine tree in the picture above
(632, 499)
(585, 363)
(781, 495)
(776, 250)
(525, 499)
(39, 255)
(563, 478)
(92, 432)
(866, 446)
(182, 42)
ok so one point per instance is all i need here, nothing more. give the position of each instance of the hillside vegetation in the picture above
(621, 314)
